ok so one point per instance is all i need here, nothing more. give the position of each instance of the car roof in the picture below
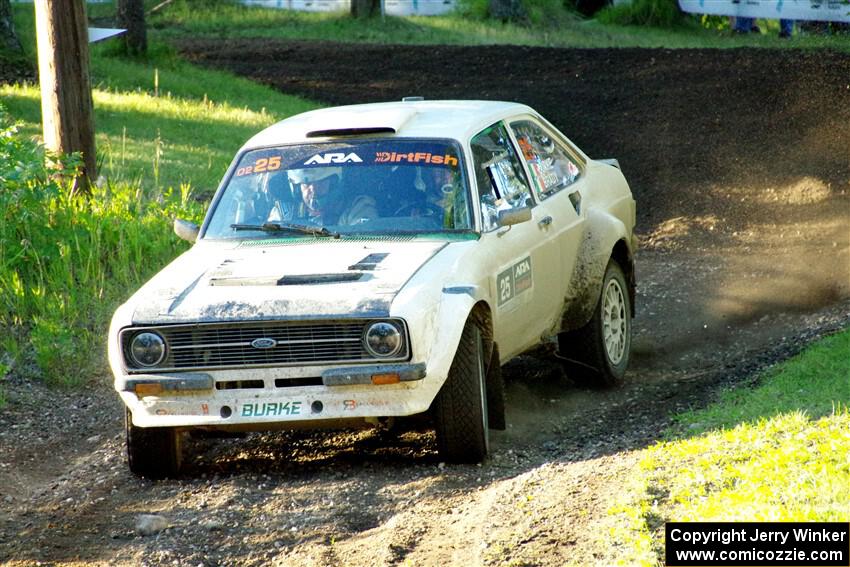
(458, 119)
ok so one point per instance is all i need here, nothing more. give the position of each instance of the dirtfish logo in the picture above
(333, 157)
(416, 157)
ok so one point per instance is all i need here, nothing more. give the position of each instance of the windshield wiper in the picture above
(287, 227)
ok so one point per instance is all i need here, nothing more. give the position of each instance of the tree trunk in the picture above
(131, 15)
(365, 8)
(63, 67)
(8, 37)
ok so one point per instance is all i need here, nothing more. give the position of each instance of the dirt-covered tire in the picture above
(495, 392)
(460, 409)
(597, 354)
(152, 452)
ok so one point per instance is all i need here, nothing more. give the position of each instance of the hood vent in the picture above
(370, 262)
(312, 279)
(237, 282)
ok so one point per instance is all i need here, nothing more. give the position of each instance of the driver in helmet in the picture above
(435, 193)
(323, 201)
(428, 194)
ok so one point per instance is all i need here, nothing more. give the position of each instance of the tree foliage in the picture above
(8, 37)
(659, 13)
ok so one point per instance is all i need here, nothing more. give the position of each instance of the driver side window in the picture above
(499, 176)
(552, 166)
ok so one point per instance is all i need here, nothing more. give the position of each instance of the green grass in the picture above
(222, 19)
(161, 121)
(778, 452)
(163, 145)
(812, 383)
(229, 20)
(66, 263)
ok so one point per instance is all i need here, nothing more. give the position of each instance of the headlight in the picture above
(383, 340)
(147, 349)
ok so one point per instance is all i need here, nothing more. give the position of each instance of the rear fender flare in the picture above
(605, 237)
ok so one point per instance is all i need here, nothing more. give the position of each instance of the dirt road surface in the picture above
(740, 164)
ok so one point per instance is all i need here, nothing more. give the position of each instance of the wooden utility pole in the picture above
(63, 68)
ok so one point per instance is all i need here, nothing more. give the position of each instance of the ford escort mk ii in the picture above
(376, 261)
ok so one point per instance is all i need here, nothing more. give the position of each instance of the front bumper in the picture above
(265, 398)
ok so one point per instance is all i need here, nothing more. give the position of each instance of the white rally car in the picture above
(367, 262)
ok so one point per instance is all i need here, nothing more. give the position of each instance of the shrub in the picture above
(550, 12)
(66, 263)
(657, 13)
(537, 12)
(475, 9)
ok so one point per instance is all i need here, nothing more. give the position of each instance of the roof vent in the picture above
(334, 132)
(413, 99)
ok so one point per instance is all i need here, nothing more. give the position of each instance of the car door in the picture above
(557, 173)
(521, 257)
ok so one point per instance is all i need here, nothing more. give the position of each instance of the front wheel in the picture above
(461, 405)
(152, 452)
(597, 354)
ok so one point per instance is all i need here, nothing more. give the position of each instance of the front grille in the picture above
(228, 345)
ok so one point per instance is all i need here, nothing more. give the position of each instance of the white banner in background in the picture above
(820, 10)
(99, 34)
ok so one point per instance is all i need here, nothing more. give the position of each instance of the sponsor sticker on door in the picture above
(514, 281)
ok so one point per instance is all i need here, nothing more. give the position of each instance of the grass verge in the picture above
(553, 26)
(66, 263)
(166, 132)
(777, 452)
(161, 122)
(225, 19)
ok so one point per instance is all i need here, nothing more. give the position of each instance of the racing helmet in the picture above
(313, 174)
(314, 200)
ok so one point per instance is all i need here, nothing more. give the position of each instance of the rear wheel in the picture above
(597, 354)
(460, 409)
(152, 452)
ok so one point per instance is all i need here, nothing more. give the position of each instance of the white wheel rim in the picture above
(614, 322)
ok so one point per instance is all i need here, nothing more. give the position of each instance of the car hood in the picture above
(295, 281)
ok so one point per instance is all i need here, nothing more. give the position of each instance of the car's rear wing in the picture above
(610, 161)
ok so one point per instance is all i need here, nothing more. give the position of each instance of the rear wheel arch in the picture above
(624, 257)
(598, 353)
(605, 241)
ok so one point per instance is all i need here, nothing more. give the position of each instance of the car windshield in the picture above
(328, 189)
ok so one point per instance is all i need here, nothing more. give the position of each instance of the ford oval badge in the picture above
(263, 343)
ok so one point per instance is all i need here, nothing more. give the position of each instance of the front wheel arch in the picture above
(460, 409)
(152, 452)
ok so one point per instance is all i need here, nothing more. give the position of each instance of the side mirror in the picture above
(186, 230)
(511, 217)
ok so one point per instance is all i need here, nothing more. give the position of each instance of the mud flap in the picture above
(495, 392)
